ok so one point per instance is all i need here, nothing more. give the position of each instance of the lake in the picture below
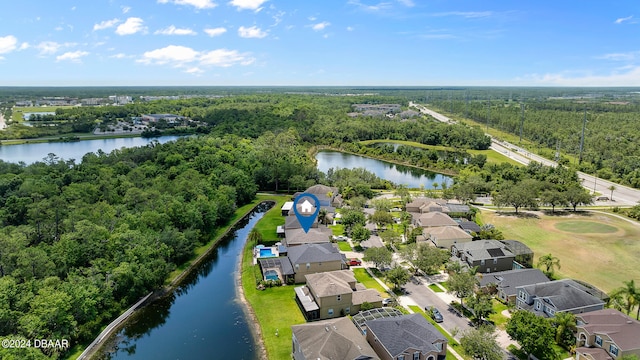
(398, 174)
(202, 318)
(31, 153)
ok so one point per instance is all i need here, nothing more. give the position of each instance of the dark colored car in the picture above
(434, 313)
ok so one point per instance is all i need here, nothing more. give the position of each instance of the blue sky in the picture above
(320, 42)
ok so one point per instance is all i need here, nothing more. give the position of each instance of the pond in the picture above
(398, 174)
(31, 153)
(202, 318)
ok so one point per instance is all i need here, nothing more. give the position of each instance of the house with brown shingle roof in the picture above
(333, 294)
(606, 334)
(330, 339)
(447, 236)
(433, 219)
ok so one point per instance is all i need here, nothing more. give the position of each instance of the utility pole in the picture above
(521, 120)
(584, 125)
(488, 111)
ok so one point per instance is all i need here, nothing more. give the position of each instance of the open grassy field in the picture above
(18, 111)
(598, 248)
(365, 279)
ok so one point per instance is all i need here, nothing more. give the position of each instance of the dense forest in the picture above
(610, 119)
(81, 242)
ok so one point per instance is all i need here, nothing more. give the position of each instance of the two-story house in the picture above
(548, 298)
(486, 255)
(333, 294)
(507, 282)
(405, 337)
(329, 340)
(315, 258)
(606, 334)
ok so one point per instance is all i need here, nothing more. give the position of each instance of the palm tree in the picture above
(612, 187)
(631, 295)
(322, 216)
(564, 321)
(255, 237)
(549, 262)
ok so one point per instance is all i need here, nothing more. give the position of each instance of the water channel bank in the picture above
(201, 314)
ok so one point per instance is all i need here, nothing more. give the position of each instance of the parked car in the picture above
(434, 313)
(355, 262)
(387, 301)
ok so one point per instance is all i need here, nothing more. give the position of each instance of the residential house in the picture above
(447, 236)
(548, 298)
(433, 219)
(406, 337)
(506, 282)
(424, 205)
(279, 266)
(486, 255)
(329, 340)
(294, 237)
(314, 258)
(327, 195)
(469, 226)
(606, 334)
(333, 294)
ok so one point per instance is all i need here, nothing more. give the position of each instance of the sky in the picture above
(319, 43)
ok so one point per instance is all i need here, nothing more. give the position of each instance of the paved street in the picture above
(622, 195)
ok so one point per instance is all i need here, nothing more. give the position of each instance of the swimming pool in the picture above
(266, 252)
(271, 275)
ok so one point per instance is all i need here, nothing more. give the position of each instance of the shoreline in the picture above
(97, 345)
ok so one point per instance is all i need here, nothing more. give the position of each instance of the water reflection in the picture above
(398, 174)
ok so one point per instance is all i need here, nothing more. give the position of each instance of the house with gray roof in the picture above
(468, 225)
(487, 255)
(606, 334)
(523, 254)
(295, 237)
(314, 258)
(548, 298)
(333, 294)
(405, 337)
(506, 282)
(329, 340)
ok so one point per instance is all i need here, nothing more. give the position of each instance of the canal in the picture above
(398, 174)
(202, 318)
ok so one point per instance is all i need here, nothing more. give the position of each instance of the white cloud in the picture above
(24, 46)
(225, 58)
(621, 20)
(629, 77)
(192, 60)
(194, 70)
(251, 32)
(51, 47)
(629, 56)
(105, 24)
(320, 26)
(350, 28)
(172, 30)
(373, 8)
(118, 56)
(73, 56)
(407, 3)
(131, 26)
(198, 4)
(126, 9)
(247, 4)
(278, 18)
(215, 31)
(175, 54)
(8, 44)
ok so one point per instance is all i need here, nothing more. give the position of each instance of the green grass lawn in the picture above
(435, 288)
(275, 307)
(604, 260)
(337, 229)
(365, 279)
(271, 220)
(409, 143)
(494, 157)
(499, 320)
(445, 285)
(585, 227)
(344, 246)
(452, 343)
